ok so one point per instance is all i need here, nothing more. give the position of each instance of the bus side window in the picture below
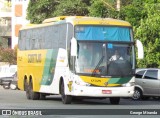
(33, 44)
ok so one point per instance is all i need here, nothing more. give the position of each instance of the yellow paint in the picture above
(70, 85)
(61, 60)
(100, 21)
(95, 80)
(59, 18)
(30, 69)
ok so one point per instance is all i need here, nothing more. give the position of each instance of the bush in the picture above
(8, 55)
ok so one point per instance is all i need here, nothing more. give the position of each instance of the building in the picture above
(5, 23)
(12, 18)
(19, 12)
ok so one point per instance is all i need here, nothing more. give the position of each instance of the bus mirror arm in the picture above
(140, 49)
(73, 47)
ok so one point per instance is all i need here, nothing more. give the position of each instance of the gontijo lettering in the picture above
(34, 58)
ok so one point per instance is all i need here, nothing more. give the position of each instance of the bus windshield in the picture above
(105, 59)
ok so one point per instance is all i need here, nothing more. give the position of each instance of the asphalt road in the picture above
(16, 99)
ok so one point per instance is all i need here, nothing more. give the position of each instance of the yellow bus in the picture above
(71, 56)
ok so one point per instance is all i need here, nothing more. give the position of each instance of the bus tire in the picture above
(114, 100)
(26, 88)
(66, 99)
(33, 95)
(42, 96)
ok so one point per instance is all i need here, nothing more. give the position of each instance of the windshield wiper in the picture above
(97, 66)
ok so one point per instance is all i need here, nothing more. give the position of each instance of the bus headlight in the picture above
(128, 84)
(81, 83)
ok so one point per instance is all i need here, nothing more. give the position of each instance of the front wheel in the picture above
(66, 99)
(115, 100)
(13, 87)
(6, 86)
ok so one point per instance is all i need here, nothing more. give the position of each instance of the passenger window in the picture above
(140, 74)
(151, 74)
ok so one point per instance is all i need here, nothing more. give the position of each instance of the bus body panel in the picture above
(60, 70)
(38, 65)
(47, 67)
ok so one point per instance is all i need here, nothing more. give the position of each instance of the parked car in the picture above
(8, 76)
(5, 82)
(9, 82)
(147, 83)
(13, 84)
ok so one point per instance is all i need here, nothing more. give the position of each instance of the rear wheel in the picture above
(33, 95)
(66, 99)
(42, 96)
(137, 94)
(26, 88)
(115, 100)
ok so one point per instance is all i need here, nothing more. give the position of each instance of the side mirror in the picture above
(140, 49)
(73, 47)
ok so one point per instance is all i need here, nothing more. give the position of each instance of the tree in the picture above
(133, 13)
(144, 16)
(101, 8)
(72, 8)
(38, 10)
(8, 55)
(149, 33)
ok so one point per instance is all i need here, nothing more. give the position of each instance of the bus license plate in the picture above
(106, 91)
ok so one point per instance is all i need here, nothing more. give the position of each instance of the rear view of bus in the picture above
(93, 58)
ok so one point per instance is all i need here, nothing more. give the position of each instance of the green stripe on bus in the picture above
(49, 67)
(119, 80)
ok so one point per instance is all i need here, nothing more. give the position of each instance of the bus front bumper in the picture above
(103, 91)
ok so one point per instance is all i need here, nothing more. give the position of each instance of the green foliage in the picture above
(132, 13)
(38, 10)
(98, 8)
(149, 33)
(71, 8)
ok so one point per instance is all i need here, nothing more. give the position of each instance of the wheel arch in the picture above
(31, 80)
(140, 88)
(60, 82)
(24, 82)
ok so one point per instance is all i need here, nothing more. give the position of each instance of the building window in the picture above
(17, 27)
(18, 10)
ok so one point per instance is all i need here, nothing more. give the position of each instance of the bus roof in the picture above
(88, 20)
(101, 21)
(81, 20)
